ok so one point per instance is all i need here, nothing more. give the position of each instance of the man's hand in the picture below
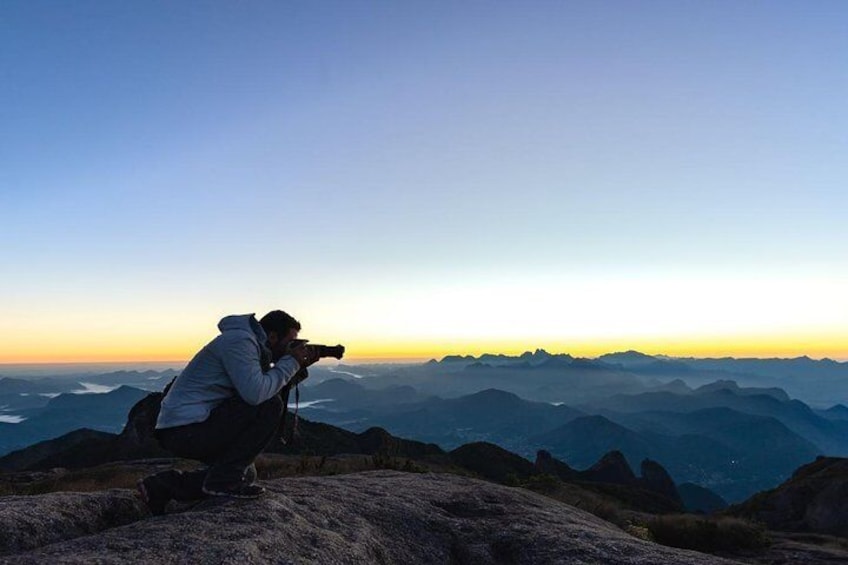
(305, 354)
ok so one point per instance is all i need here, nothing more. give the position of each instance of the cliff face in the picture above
(374, 517)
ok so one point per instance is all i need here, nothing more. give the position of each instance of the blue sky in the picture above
(407, 174)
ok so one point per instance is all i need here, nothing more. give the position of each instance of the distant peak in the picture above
(630, 356)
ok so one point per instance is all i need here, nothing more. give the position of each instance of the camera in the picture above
(335, 351)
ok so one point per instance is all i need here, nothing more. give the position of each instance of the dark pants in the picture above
(228, 441)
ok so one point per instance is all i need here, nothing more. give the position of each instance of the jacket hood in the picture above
(246, 322)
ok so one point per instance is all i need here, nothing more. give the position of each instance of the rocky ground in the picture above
(371, 517)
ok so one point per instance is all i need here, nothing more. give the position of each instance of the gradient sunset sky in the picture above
(414, 179)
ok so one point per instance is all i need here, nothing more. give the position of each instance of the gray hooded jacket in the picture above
(228, 365)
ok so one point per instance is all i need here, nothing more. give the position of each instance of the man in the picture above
(224, 408)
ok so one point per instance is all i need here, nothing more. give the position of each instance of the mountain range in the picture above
(704, 427)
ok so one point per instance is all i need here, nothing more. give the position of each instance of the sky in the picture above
(415, 179)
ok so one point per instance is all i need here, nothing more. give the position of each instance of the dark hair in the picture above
(278, 321)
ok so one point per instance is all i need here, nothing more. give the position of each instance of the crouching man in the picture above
(224, 408)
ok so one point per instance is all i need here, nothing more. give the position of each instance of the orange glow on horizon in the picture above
(399, 351)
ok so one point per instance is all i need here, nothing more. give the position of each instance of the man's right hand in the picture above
(305, 354)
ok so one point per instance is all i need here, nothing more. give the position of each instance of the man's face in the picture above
(279, 343)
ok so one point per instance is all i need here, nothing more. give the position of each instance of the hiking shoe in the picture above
(154, 494)
(236, 490)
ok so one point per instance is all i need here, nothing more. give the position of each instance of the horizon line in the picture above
(420, 359)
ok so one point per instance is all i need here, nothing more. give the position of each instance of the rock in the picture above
(28, 522)
(373, 517)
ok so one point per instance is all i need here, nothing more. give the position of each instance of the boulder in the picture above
(372, 517)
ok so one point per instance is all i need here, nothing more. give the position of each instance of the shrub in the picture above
(706, 534)
(384, 461)
(603, 507)
(543, 484)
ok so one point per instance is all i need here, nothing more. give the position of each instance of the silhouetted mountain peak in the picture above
(722, 384)
(677, 386)
(538, 353)
(492, 461)
(612, 468)
(699, 499)
(492, 395)
(547, 464)
(631, 354)
(337, 387)
(836, 412)
(727, 387)
(457, 359)
(657, 479)
(812, 500)
(627, 358)
(123, 393)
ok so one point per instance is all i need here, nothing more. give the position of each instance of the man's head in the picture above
(281, 329)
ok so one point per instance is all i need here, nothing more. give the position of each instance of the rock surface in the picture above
(373, 517)
(28, 522)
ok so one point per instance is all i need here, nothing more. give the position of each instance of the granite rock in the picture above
(371, 517)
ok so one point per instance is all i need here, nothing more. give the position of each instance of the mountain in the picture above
(33, 529)
(817, 382)
(654, 491)
(491, 415)
(734, 387)
(535, 376)
(342, 394)
(798, 367)
(628, 359)
(730, 453)
(84, 449)
(528, 358)
(699, 499)
(147, 380)
(493, 462)
(698, 437)
(838, 412)
(828, 436)
(584, 440)
(103, 412)
(811, 500)
(12, 385)
(37, 454)
(643, 364)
